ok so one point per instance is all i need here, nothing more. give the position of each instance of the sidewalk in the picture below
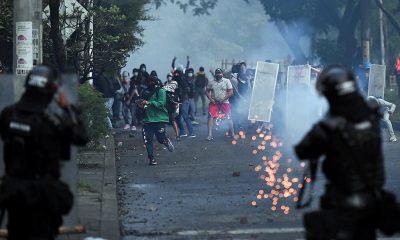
(96, 200)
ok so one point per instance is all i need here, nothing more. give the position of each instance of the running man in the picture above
(218, 92)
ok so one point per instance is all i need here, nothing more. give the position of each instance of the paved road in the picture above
(205, 190)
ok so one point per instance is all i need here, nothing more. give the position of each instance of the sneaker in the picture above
(209, 138)
(195, 123)
(133, 128)
(169, 145)
(183, 135)
(393, 139)
(178, 139)
(153, 162)
(192, 136)
(126, 126)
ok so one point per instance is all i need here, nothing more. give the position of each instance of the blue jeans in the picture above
(109, 103)
(148, 132)
(186, 108)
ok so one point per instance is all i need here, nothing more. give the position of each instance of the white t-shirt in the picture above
(219, 89)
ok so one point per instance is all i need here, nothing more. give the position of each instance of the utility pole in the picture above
(27, 35)
(366, 30)
(383, 50)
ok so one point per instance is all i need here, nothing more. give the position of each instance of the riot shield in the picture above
(262, 98)
(69, 86)
(303, 107)
(376, 84)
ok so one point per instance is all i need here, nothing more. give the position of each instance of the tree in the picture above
(103, 48)
(333, 26)
(6, 34)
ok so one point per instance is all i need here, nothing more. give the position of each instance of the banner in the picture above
(376, 84)
(24, 47)
(262, 98)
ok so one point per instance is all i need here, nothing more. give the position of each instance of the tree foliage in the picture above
(104, 47)
(116, 32)
(333, 26)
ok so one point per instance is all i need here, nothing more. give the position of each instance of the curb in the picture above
(110, 228)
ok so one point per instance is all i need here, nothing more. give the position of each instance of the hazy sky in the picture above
(234, 30)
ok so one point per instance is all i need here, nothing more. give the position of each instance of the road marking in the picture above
(241, 231)
(378, 239)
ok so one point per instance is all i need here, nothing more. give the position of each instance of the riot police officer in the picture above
(37, 133)
(349, 138)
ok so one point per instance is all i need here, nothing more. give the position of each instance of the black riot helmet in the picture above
(42, 79)
(336, 81)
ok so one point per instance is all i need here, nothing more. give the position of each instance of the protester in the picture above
(156, 117)
(118, 97)
(108, 89)
(200, 82)
(189, 77)
(172, 103)
(388, 109)
(154, 74)
(354, 203)
(187, 64)
(142, 86)
(185, 92)
(218, 92)
(2, 69)
(37, 133)
(129, 106)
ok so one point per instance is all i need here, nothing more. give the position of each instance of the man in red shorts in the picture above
(218, 92)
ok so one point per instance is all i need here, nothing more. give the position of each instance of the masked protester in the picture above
(200, 82)
(186, 108)
(354, 204)
(37, 132)
(218, 92)
(156, 116)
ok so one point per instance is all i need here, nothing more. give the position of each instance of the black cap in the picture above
(218, 71)
(201, 69)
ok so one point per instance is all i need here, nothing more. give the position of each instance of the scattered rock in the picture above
(236, 174)
(244, 220)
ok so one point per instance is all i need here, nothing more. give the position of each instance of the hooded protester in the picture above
(156, 116)
(354, 203)
(142, 86)
(37, 133)
(184, 91)
(200, 83)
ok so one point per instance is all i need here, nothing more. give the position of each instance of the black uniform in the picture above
(349, 138)
(37, 134)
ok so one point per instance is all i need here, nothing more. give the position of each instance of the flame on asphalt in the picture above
(280, 185)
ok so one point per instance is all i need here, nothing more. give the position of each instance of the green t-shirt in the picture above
(156, 111)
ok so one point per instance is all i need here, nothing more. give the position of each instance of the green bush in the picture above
(94, 113)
